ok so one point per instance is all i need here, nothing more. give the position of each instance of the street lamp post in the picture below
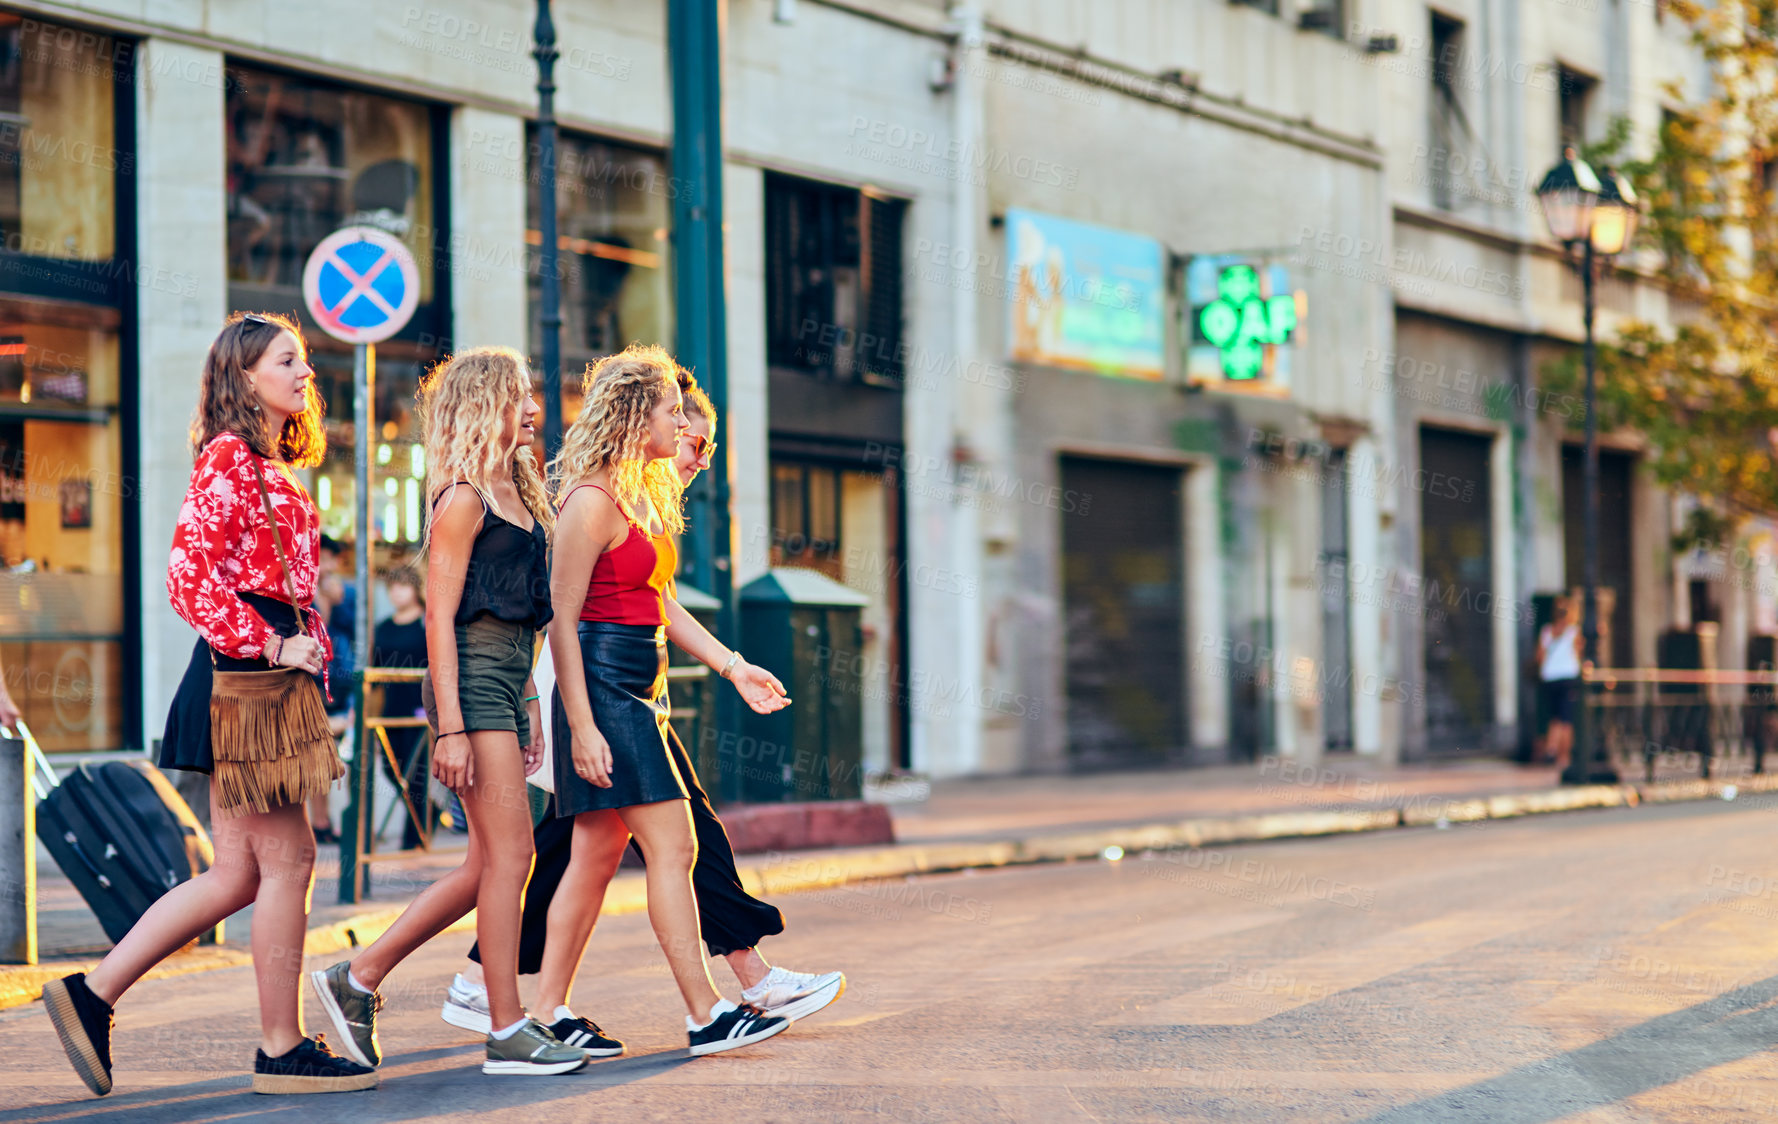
(1600, 216)
(550, 295)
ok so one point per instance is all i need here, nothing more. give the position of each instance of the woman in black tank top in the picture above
(508, 576)
(487, 593)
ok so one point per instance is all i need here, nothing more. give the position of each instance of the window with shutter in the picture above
(879, 352)
(833, 281)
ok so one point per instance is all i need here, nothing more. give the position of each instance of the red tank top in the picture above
(628, 579)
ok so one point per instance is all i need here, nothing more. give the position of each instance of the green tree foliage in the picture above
(1705, 394)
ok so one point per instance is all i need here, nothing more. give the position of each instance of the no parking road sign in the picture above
(361, 285)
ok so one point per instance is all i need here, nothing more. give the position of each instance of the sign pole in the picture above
(353, 875)
(361, 285)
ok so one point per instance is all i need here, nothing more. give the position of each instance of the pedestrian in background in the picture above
(614, 555)
(487, 580)
(329, 591)
(342, 615)
(244, 557)
(1558, 670)
(732, 921)
(400, 643)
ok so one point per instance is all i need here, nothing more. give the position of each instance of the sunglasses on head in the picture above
(253, 318)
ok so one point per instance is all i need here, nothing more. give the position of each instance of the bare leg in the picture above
(473, 973)
(285, 850)
(428, 915)
(748, 965)
(499, 807)
(598, 847)
(1561, 741)
(183, 913)
(669, 849)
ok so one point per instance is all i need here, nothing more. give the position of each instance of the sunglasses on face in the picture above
(702, 447)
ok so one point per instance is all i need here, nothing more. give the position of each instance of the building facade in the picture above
(1165, 375)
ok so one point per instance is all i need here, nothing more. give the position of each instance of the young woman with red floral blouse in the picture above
(258, 418)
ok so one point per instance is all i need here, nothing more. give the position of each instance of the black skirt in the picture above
(185, 744)
(626, 680)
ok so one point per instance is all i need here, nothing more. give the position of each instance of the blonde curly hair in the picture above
(617, 395)
(463, 404)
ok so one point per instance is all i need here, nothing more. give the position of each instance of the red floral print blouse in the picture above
(223, 545)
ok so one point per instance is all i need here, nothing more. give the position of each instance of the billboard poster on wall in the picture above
(1084, 297)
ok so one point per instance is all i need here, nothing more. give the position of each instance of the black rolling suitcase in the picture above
(124, 837)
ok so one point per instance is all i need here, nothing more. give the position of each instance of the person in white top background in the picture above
(1558, 669)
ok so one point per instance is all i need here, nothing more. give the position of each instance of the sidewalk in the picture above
(973, 823)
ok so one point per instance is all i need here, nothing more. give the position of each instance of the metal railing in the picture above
(1647, 716)
(413, 787)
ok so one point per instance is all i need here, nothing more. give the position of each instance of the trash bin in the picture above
(805, 628)
(692, 688)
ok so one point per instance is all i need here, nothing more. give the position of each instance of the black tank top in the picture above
(508, 576)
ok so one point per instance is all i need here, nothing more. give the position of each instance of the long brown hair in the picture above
(463, 403)
(227, 402)
(618, 393)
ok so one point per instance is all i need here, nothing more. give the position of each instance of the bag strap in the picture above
(278, 541)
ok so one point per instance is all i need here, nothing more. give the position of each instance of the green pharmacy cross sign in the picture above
(1241, 323)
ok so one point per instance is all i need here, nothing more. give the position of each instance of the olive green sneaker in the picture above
(532, 1051)
(353, 1013)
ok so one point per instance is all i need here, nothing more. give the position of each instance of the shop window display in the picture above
(306, 157)
(58, 154)
(61, 499)
(614, 209)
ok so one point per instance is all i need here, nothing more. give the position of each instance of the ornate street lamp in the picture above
(1599, 214)
(549, 294)
(1614, 215)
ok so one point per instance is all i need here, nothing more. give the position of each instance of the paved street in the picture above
(1603, 966)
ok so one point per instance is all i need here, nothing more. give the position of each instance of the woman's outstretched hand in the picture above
(759, 688)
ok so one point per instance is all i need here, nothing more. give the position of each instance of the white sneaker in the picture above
(795, 995)
(466, 1005)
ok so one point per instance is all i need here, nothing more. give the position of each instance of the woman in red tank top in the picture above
(732, 920)
(615, 775)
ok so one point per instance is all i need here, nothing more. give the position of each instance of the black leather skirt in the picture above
(626, 678)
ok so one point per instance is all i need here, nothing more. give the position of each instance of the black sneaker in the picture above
(732, 1029)
(310, 1068)
(586, 1034)
(83, 1022)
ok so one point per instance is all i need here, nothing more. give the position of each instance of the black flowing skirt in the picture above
(626, 679)
(185, 744)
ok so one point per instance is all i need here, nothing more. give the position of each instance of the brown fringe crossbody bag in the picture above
(268, 729)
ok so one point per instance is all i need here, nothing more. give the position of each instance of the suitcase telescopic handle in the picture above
(43, 774)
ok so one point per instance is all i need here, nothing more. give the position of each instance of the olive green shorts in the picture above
(493, 661)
